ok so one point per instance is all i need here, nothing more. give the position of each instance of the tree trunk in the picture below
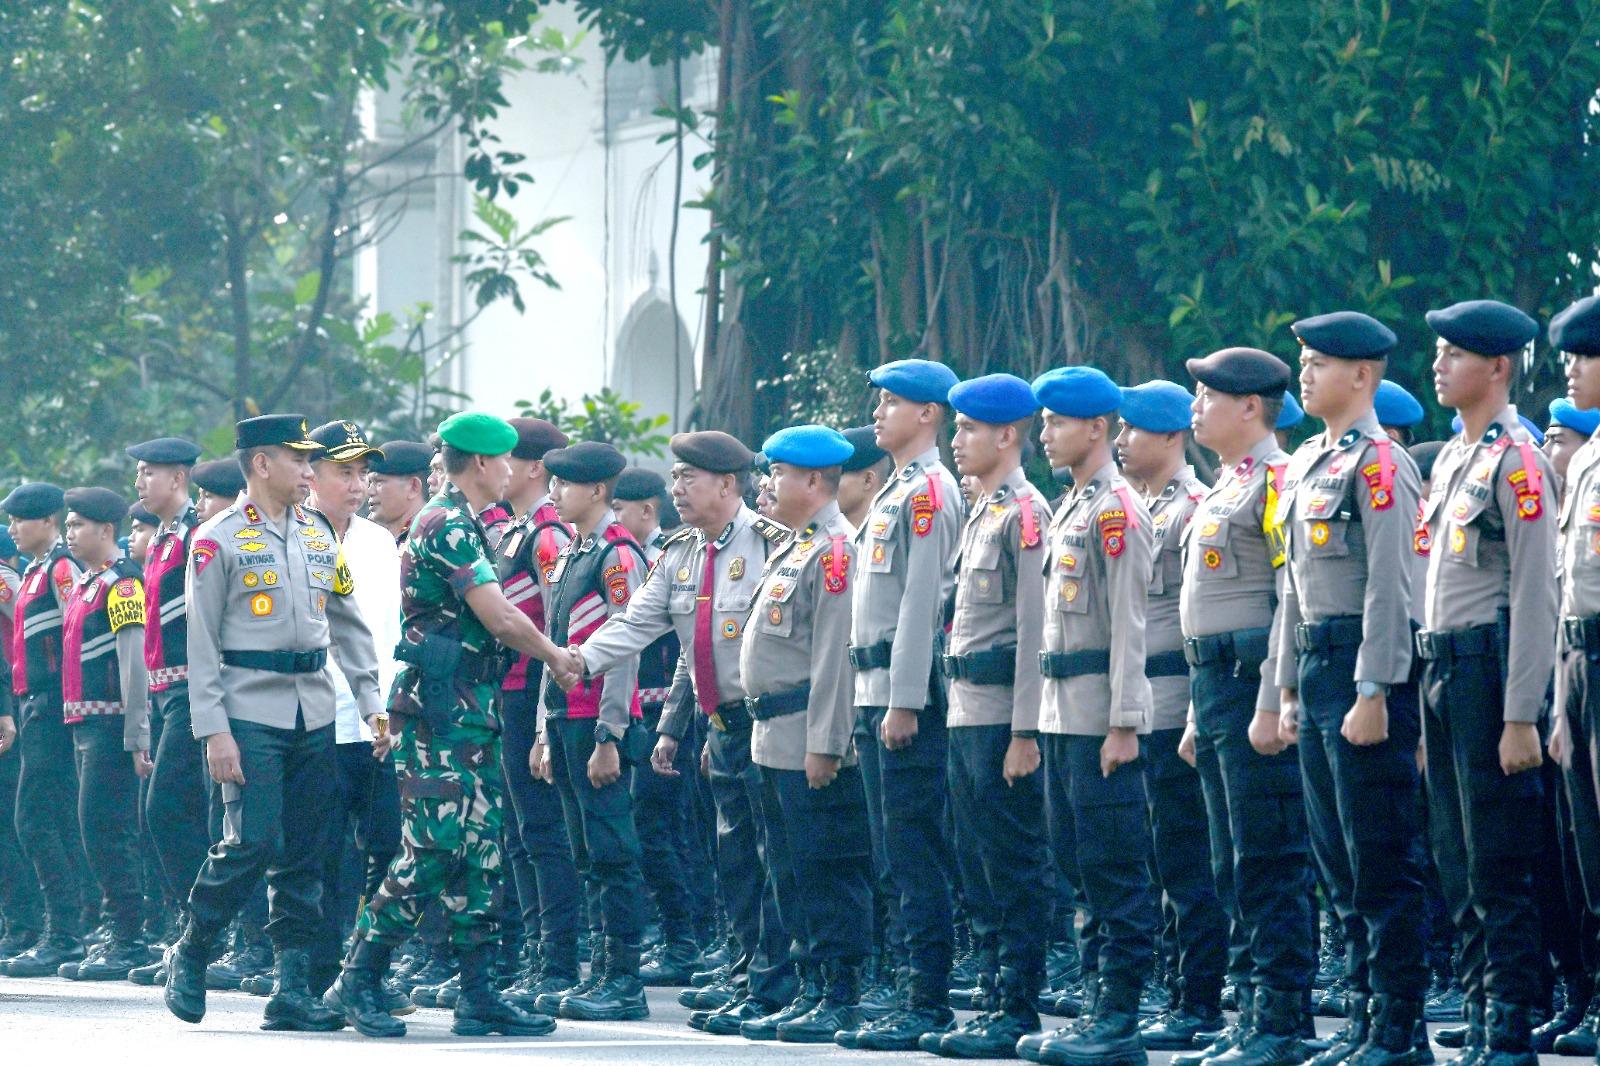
(236, 256)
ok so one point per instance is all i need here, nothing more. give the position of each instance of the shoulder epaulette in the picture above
(683, 533)
(775, 532)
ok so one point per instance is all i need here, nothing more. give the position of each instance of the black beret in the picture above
(1241, 372)
(585, 463)
(712, 451)
(535, 436)
(97, 504)
(760, 463)
(220, 477)
(1425, 453)
(35, 499)
(637, 483)
(1485, 327)
(137, 513)
(165, 451)
(1346, 335)
(342, 442)
(287, 431)
(402, 458)
(1577, 329)
(867, 451)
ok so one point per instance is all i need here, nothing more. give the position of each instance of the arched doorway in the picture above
(644, 370)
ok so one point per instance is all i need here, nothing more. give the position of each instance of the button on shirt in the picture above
(1170, 514)
(375, 567)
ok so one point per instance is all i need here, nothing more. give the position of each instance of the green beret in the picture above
(478, 433)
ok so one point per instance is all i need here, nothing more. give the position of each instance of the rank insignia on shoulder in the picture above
(774, 532)
(683, 534)
(252, 515)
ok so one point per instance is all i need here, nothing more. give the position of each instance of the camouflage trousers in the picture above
(451, 807)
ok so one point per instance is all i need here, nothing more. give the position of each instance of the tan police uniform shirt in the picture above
(1170, 513)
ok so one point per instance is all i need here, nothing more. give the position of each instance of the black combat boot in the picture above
(112, 959)
(730, 1018)
(185, 963)
(556, 973)
(925, 1012)
(549, 1003)
(1392, 1040)
(1107, 1037)
(994, 1034)
(880, 994)
(1030, 1046)
(806, 998)
(251, 956)
(1509, 1028)
(1231, 1036)
(1572, 1014)
(1348, 1038)
(292, 1006)
(1582, 1040)
(1473, 1039)
(357, 992)
(48, 954)
(19, 937)
(1274, 1038)
(835, 1012)
(481, 1011)
(674, 964)
(1182, 1028)
(619, 994)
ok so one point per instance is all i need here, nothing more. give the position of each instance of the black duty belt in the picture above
(729, 717)
(1061, 665)
(1166, 664)
(1330, 633)
(1245, 646)
(777, 704)
(1583, 634)
(1442, 645)
(278, 662)
(873, 656)
(996, 666)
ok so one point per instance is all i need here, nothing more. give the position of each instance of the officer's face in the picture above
(34, 535)
(284, 475)
(1583, 380)
(139, 541)
(1143, 454)
(161, 488)
(1068, 441)
(795, 494)
(897, 421)
(392, 497)
(209, 505)
(637, 516)
(1559, 444)
(1222, 420)
(699, 494)
(90, 540)
(1462, 378)
(341, 488)
(977, 446)
(575, 502)
(1328, 386)
(436, 475)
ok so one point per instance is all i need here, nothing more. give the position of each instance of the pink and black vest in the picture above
(36, 626)
(524, 559)
(582, 589)
(91, 671)
(166, 608)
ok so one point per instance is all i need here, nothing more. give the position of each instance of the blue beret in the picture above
(35, 499)
(1346, 335)
(1077, 392)
(8, 547)
(1456, 425)
(165, 451)
(1563, 412)
(995, 398)
(1241, 372)
(1292, 414)
(918, 380)
(1394, 406)
(814, 447)
(1486, 327)
(1157, 406)
(865, 441)
(588, 462)
(1577, 329)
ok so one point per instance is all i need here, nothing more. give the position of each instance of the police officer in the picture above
(662, 806)
(1344, 659)
(904, 574)
(21, 903)
(1288, 419)
(1232, 555)
(267, 590)
(220, 481)
(142, 526)
(397, 485)
(582, 732)
(864, 474)
(702, 586)
(992, 662)
(47, 784)
(176, 800)
(1156, 418)
(1569, 430)
(1491, 588)
(104, 696)
(447, 730)
(800, 695)
(1096, 704)
(1397, 411)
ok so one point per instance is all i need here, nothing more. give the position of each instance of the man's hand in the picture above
(1264, 732)
(1561, 742)
(664, 755)
(222, 757)
(383, 741)
(8, 732)
(1289, 715)
(567, 668)
(821, 769)
(1519, 748)
(1367, 723)
(605, 765)
(899, 728)
(539, 760)
(142, 765)
(1120, 748)
(1022, 759)
(1186, 743)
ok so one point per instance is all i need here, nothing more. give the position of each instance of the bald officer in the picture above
(1344, 658)
(1491, 588)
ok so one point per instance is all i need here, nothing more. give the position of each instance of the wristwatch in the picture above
(1371, 689)
(603, 735)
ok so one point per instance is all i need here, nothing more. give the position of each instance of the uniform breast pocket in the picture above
(983, 582)
(1325, 538)
(879, 555)
(1209, 544)
(1461, 542)
(321, 589)
(775, 617)
(681, 602)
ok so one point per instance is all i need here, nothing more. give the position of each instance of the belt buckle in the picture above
(717, 723)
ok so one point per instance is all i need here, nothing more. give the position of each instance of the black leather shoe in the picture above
(17, 940)
(674, 964)
(728, 1020)
(1180, 1030)
(901, 1030)
(711, 997)
(46, 957)
(431, 995)
(1231, 1036)
(1392, 1035)
(713, 976)
(617, 998)
(149, 975)
(1508, 1029)
(525, 993)
(185, 992)
(392, 999)
(1274, 1038)
(432, 968)
(549, 1003)
(1349, 1037)
(766, 1027)
(292, 1007)
(880, 999)
(1568, 1018)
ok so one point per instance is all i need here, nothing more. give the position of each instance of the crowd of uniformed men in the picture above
(838, 740)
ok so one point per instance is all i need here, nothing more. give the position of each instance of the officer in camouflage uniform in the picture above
(448, 753)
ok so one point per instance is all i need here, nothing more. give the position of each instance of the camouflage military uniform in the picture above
(451, 785)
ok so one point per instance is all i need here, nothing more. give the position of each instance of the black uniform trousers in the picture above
(820, 852)
(1183, 869)
(605, 842)
(748, 890)
(363, 834)
(909, 806)
(21, 902)
(700, 841)
(661, 812)
(1484, 827)
(1110, 831)
(1361, 809)
(275, 824)
(108, 816)
(1000, 852)
(889, 930)
(1259, 848)
(537, 848)
(177, 799)
(47, 811)
(1580, 811)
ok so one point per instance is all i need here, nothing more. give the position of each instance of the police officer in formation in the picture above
(961, 704)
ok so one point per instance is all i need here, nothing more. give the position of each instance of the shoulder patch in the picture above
(922, 508)
(61, 574)
(1528, 483)
(1113, 531)
(125, 604)
(201, 552)
(774, 532)
(835, 565)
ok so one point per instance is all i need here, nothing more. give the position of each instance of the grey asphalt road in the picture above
(51, 1020)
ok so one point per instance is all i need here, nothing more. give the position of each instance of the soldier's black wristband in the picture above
(1024, 734)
